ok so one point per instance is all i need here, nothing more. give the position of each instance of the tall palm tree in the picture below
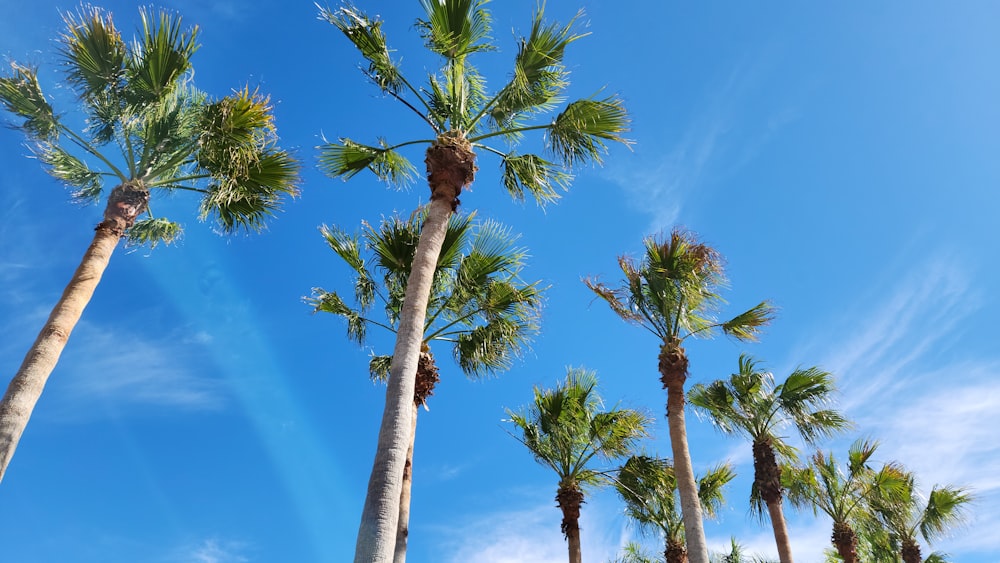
(463, 118)
(478, 305)
(565, 429)
(750, 404)
(673, 293)
(908, 515)
(147, 129)
(844, 496)
(648, 485)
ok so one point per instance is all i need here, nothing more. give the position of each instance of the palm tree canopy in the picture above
(752, 405)
(456, 103)
(649, 488)
(907, 514)
(565, 429)
(149, 127)
(841, 494)
(478, 302)
(673, 291)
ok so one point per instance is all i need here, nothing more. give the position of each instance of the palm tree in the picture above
(752, 405)
(648, 485)
(908, 515)
(565, 429)
(736, 555)
(845, 497)
(478, 305)
(672, 293)
(464, 117)
(147, 128)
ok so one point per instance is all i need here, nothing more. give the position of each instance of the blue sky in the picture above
(843, 159)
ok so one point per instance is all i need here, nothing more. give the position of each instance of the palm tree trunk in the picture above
(846, 542)
(767, 477)
(780, 528)
(911, 551)
(403, 526)
(450, 167)
(675, 552)
(569, 498)
(673, 373)
(124, 204)
(380, 517)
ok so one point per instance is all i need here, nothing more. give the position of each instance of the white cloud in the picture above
(531, 533)
(211, 550)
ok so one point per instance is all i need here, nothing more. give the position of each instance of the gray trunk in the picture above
(780, 532)
(380, 517)
(403, 526)
(687, 487)
(26, 386)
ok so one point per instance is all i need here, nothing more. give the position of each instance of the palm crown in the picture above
(457, 106)
(148, 128)
(477, 303)
(673, 291)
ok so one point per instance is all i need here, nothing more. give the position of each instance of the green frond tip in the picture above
(85, 183)
(539, 76)
(161, 57)
(366, 34)
(748, 325)
(456, 28)
(22, 95)
(94, 52)
(532, 174)
(153, 231)
(346, 158)
(579, 133)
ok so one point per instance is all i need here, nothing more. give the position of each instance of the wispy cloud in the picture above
(211, 550)
(711, 145)
(933, 404)
(531, 533)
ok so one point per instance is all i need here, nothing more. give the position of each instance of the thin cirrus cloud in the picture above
(211, 550)
(909, 381)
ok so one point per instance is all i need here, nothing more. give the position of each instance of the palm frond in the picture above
(710, 488)
(366, 35)
(245, 203)
(539, 76)
(346, 158)
(94, 53)
(160, 57)
(153, 231)
(746, 326)
(22, 95)
(330, 302)
(578, 134)
(456, 28)
(379, 366)
(85, 183)
(532, 174)
(947, 507)
(347, 247)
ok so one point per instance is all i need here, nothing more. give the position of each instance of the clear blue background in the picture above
(843, 158)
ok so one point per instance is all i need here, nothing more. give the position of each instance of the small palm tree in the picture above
(750, 404)
(845, 497)
(463, 117)
(908, 515)
(736, 554)
(566, 430)
(648, 485)
(478, 305)
(673, 293)
(147, 129)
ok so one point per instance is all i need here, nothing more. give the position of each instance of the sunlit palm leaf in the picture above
(93, 51)
(578, 134)
(86, 183)
(330, 302)
(537, 176)
(346, 158)
(22, 95)
(366, 34)
(378, 367)
(455, 28)
(160, 57)
(539, 76)
(153, 231)
(747, 325)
